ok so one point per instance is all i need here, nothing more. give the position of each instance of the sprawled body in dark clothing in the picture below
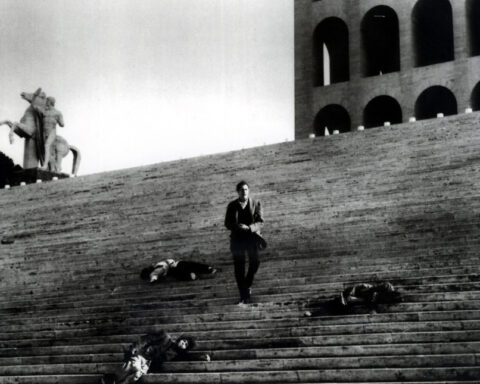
(182, 270)
(149, 352)
(369, 294)
(364, 295)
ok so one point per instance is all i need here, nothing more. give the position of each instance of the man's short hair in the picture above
(145, 274)
(241, 184)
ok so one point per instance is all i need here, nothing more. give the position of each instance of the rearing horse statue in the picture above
(30, 128)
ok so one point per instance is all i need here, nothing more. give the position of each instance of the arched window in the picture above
(473, 25)
(433, 32)
(330, 52)
(475, 99)
(380, 39)
(434, 100)
(381, 109)
(333, 117)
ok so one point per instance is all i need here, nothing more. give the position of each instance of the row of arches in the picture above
(430, 102)
(432, 28)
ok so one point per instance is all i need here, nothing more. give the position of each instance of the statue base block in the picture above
(31, 175)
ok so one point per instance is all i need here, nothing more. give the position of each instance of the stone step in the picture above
(55, 324)
(404, 361)
(121, 248)
(252, 312)
(325, 268)
(346, 208)
(80, 253)
(384, 189)
(213, 295)
(191, 304)
(285, 331)
(52, 379)
(434, 274)
(261, 324)
(345, 213)
(457, 375)
(352, 216)
(135, 287)
(89, 354)
(112, 352)
(321, 376)
(146, 294)
(325, 263)
(285, 364)
(252, 354)
(94, 379)
(87, 254)
(335, 175)
(267, 342)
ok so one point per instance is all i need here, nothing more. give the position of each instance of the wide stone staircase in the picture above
(400, 204)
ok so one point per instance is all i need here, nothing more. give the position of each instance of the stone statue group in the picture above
(38, 127)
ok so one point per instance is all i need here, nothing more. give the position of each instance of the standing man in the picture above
(244, 220)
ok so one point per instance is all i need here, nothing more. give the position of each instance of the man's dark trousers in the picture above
(239, 252)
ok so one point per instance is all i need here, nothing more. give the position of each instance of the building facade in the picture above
(367, 62)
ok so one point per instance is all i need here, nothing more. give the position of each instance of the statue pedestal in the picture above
(31, 175)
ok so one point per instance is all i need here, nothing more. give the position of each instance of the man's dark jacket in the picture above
(256, 216)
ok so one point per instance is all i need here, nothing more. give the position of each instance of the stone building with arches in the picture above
(364, 63)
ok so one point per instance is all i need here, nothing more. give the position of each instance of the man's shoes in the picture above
(244, 301)
(245, 296)
(248, 293)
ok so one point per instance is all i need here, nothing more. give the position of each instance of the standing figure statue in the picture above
(38, 128)
(51, 117)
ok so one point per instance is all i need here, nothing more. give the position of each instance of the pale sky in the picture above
(145, 81)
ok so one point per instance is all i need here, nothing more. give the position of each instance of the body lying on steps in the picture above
(148, 354)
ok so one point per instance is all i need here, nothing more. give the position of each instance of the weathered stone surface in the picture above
(396, 204)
